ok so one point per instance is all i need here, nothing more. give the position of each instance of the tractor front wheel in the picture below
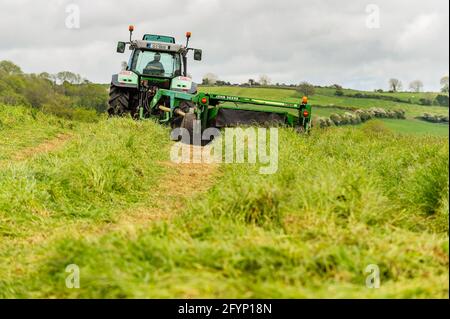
(188, 123)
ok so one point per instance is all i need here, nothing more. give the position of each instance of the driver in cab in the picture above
(155, 67)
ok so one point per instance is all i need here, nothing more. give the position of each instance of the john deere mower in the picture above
(155, 84)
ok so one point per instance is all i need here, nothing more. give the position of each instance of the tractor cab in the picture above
(158, 55)
(156, 62)
(156, 59)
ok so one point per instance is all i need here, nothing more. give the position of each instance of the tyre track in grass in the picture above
(49, 145)
(46, 147)
(183, 182)
(169, 198)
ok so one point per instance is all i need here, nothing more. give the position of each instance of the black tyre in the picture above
(188, 124)
(300, 129)
(119, 101)
(186, 107)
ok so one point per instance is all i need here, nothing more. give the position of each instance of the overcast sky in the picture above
(320, 41)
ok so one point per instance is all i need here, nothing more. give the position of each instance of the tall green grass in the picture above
(104, 169)
(343, 198)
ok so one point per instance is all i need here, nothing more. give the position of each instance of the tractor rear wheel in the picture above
(119, 101)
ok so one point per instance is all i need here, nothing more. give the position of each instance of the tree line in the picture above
(64, 93)
(396, 85)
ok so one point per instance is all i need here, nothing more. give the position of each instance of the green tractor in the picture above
(155, 84)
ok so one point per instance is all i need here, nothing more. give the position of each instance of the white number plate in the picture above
(159, 46)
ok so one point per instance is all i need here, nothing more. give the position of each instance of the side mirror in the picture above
(121, 47)
(197, 55)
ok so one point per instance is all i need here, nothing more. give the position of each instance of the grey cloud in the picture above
(321, 41)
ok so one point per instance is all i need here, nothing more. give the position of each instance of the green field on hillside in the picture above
(417, 127)
(107, 199)
(413, 97)
(325, 97)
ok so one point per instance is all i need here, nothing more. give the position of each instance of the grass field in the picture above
(413, 97)
(417, 127)
(107, 198)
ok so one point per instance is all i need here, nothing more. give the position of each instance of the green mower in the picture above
(155, 84)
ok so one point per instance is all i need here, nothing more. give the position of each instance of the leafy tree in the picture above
(444, 83)
(45, 75)
(306, 89)
(339, 90)
(442, 100)
(10, 68)
(70, 77)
